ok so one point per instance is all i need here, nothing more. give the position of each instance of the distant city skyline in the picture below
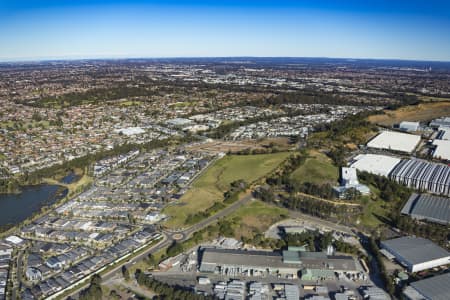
(50, 29)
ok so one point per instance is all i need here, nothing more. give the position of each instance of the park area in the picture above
(210, 186)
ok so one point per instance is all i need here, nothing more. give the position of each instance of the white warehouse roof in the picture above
(442, 150)
(409, 126)
(375, 163)
(444, 133)
(397, 141)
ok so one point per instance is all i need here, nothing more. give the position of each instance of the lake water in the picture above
(14, 208)
(71, 177)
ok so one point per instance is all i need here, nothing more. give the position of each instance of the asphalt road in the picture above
(223, 213)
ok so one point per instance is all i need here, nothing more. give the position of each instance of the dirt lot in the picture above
(421, 112)
(236, 146)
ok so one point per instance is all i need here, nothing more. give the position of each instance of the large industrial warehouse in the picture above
(397, 141)
(416, 254)
(374, 163)
(428, 207)
(435, 288)
(288, 263)
(423, 175)
(442, 149)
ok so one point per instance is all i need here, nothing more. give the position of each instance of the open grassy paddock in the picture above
(255, 217)
(318, 169)
(373, 209)
(420, 112)
(210, 186)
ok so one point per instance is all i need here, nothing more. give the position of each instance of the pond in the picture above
(14, 208)
(70, 178)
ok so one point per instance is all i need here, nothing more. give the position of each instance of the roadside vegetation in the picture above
(165, 291)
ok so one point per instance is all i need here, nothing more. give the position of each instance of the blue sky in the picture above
(352, 29)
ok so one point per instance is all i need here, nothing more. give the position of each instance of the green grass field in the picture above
(210, 186)
(318, 169)
(373, 207)
(256, 216)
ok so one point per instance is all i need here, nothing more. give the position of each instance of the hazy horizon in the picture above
(49, 29)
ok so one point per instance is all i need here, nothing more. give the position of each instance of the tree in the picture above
(94, 291)
(114, 295)
(125, 272)
(151, 259)
(174, 249)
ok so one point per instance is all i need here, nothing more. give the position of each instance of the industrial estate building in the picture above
(435, 288)
(409, 126)
(374, 163)
(415, 173)
(428, 207)
(423, 175)
(288, 263)
(441, 149)
(416, 254)
(443, 133)
(397, 141)
(349, 180)
(440, 122)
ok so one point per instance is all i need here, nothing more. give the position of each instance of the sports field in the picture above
(210, 186)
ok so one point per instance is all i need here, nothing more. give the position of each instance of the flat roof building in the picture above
(375, 163)
(433, 288)
(428, 207)
(416, 254)
(396, 141)
(289, 263)
(348, 176)
(444, 121)
(409, 126)
(442, 149)
(444, 133)
(349, 180)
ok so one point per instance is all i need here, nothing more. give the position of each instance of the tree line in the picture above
(165, 291)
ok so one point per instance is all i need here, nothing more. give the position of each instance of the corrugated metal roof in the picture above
(428, 207)
(216, 257)
(416, 250)
(436, 288)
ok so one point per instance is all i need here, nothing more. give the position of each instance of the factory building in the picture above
(349, 180)
(435, 288)
(287, 263)
(423, 175)
(375, 164)
(416, 254)
(443, 133)
(396, 141)
(441, 149)
(428, 207)
(444, 122)
(409, 126)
